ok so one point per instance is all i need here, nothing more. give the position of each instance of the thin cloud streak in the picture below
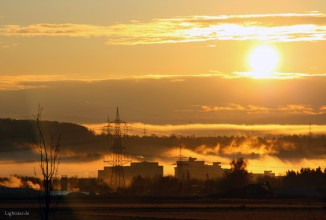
(275, 75)
(217, 129)
(7, 45)
(265, 27)
(20, 82)
(253, 109)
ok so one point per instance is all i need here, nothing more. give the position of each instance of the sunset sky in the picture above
(166, 62)
(182, 60)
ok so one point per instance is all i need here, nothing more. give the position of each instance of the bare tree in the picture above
(49, 162)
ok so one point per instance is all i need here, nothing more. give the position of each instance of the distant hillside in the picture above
(79, 144)
(25, 130)
(18, 136)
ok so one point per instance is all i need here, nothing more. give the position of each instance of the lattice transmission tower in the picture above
(118, 157)
(181, 165)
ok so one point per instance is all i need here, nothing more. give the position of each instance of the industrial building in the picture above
(193, 169)
(118, 175)
(267, 173)
(144, 169)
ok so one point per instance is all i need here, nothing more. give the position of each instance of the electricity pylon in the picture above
(118, 157)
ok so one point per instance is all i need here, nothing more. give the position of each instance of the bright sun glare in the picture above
(263, 61)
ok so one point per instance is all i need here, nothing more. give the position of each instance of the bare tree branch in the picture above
(49, 162)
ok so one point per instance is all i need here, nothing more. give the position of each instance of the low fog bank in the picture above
(79, 145)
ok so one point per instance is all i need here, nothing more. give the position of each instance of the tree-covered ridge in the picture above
(78, 143)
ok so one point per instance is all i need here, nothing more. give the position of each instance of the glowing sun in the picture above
(263, 60)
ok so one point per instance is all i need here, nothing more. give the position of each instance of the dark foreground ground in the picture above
(89, 208)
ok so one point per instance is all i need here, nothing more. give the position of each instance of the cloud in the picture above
(7, 45)
(253, 109)
(278, 155)
(227, 101)
(267, 27)
(13, 182)
(236, 107)
(298, 109)
(323, 108)
(79, 154)
(17, 182)
(21, 82)
(137, 128)
(274, 75)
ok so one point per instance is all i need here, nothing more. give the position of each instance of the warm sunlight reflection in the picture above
(263, 60)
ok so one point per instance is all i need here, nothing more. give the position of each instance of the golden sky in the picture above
(129, 38)
(166, 62)
(225, 61)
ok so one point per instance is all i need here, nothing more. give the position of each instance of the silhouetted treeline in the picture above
(306, 177)
(236, 182)
(79, 144)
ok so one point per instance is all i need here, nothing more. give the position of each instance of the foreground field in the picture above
(149, 208)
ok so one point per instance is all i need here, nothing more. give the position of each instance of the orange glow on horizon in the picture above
(206, 129)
